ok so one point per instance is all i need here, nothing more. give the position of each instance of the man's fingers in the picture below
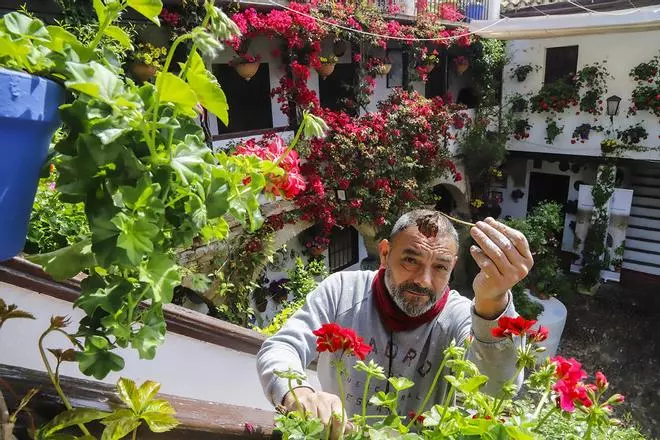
(484, 262)
(491, 249)
(517, 238)
(521, 265)
(336, 428)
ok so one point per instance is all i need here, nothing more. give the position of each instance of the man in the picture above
(407, 313)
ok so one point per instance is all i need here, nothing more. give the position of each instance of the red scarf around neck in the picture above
(393, 318)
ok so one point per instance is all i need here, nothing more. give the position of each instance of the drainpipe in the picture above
(493, 9)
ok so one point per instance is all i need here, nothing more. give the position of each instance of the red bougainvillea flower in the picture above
(508, 326)
(333, 337)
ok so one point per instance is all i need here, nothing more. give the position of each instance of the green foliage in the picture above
(525, 307)
(11, 311)
(54, 224)
(480, 151)
(552, 130)
(488, 58)
(302, 281)
(141, 406)
(542, 228)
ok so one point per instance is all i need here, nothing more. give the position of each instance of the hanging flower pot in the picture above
(461, 64)
(143, 72)
(326, 69)
(316, 251)
(28, 118)
(247, 70)
(384, 69)
(246, 65)
(429, 67)
(339, 47)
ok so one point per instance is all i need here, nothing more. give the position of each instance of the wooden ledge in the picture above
(200, 420)
(22, 273)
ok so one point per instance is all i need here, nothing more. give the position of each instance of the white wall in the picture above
(623, 51)
(184, 366)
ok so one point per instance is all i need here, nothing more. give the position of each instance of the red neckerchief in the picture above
(393, 318)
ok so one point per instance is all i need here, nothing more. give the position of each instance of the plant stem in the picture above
(295, 397)
(445, 406)
(135, 433)
(364, 396)
(99, 34)
(293, 143)
(54, 380)
(421, 407)
(545, 418)
(460, 222)
(539, 407)
(590, 427)
(342, 395)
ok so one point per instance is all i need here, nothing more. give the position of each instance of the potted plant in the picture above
(608, 146)
(552, 130)
(429, 60)
(246, 65)
(278, 290)
(518, 104)
(147, 59)
(521, 72)
(339, 47)
(633, 134)
(461, 64)
(521, 129)
(327, 66)
(382, 66)
(581, 133)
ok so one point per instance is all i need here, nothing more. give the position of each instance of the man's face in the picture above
(417, 268)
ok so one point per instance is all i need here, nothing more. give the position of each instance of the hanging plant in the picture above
(581, 132)
(327, 66)
(633, 134)
(517, 194)
(608, 146)
(518, 103)
(552, 130)
(339, 47)
(555, 97)
(521, 129)
(461, 64)
(592, 79)
(520, 72)
(246, 65)
(646, 95)
(429, 60)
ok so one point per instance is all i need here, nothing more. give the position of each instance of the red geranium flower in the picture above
(539, 335)
(332, 338)
(508, 326)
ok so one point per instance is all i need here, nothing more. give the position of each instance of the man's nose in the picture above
(424, 277)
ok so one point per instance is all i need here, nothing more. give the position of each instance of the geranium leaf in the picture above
(152, 333)
(66, 262)
(26, 27)
(135, 236)
(99, 8)
(117, 33)
(174, 89)
(208, 90)
(149, 8)
(98, 361)
(162, 275)
(95, 80)
(401, 383)
(187, 160)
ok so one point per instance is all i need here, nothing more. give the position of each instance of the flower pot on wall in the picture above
(326, 69)
(247, 70)
(461, 68)
(384, 69)
(339, 47)
(29, 116)
(143, 72)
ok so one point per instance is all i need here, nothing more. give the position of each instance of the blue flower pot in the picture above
(28, 118)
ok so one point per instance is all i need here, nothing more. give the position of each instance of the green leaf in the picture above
(473, 384)
(162, 274)
(99, 8)
(149, 8)
(117, 33)
(67, 262)
(95, 80)
(207, 88)
(96, 360)
(141, 195)
(188, 159)
(174, 89)
(159, 422)
(136, 236)
(72, 417)
(26, 27)
(401, 383)
(120, 428)
(146, 393)
(128, 393)
(152, 334)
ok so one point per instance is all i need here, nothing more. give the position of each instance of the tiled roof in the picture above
(509, 5)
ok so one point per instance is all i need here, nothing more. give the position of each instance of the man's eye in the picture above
(410, 260)
(441, 268)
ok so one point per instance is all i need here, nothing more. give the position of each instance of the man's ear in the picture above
(384, 251)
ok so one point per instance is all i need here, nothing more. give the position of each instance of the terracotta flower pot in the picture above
(326, 69)
(143, 72)
(429, 67)
(461, 68)
(316, 251)
(339, 47)
(384, 69)
(247, 70)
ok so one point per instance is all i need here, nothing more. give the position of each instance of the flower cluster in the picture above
(521, 129)
(334, 338)
(555, 97)
(384, 160)
(272, 147)
(150, 55)
(508, 327)
(646, 95)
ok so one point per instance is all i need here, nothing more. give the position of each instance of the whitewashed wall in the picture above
(623, 51)
(184, 366)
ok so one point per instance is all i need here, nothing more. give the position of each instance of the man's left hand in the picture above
(504, 258)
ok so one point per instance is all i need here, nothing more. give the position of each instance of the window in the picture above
(337, 87)
(560, 63)
(249, 101)
(343, 250)
(436, 84)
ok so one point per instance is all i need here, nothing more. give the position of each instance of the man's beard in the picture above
(397, 293)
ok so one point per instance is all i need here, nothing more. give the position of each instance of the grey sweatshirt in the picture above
(346, 298)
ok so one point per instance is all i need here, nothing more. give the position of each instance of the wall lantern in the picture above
(613, 106)
(340, 194)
